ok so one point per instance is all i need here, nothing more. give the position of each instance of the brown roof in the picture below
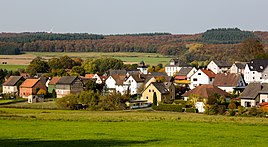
(209, 73)
(12, 80)
(54, 80)
(227, 79)
(119, 79)
(162, 87)
(90, 76)
(205, 91)
(139, 78)
(29, 83)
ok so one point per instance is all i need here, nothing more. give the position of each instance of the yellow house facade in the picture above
(165, 92)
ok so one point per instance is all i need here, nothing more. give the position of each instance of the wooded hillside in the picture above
(220, 44)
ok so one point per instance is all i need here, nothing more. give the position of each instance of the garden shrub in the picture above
(232, 112)
(221, 109)
(253, 111)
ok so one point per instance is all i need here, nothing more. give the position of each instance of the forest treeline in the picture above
(189, 47)
(226, 36)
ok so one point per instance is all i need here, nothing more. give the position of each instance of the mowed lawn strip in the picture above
(31, 127)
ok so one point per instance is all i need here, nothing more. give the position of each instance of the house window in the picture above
(153, 90)
(147, 97)
(262, 100)
(195, 79)
(253, 72)
(253, 78)
(210, 79)
(149, 90)
(199, 73)
(248, 104)
(260, 77)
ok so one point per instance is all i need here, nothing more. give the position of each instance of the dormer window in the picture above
(251, 67)
(261, 67)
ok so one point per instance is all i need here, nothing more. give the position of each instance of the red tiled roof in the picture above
(209, 73)
(29, 83)
(90, 76)
(180, 77)
(54, 80)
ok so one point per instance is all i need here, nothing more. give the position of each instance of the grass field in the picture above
(21, 61)
(33, 127)
(11, 67)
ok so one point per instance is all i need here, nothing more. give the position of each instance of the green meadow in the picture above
(11, 67)
(35, 127)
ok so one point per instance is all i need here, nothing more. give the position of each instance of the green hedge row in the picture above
(168, 107)
(190, 110)
(180, 102)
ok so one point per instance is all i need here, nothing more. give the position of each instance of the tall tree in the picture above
(37, 65)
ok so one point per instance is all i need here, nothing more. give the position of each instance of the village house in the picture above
(143, 68)
(202, 76)
(52, 84)
(12, 84)
(175, 66)
(230, 82)
(253, 70)
(135, 82)
(30, 87)
(68, 85)
(254, 94)
(116, 83)
(184, 75)
(238, 67)
(203, 92)
(165, 92)
(218, 66)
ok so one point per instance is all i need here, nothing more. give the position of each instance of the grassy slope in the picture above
(26, 127)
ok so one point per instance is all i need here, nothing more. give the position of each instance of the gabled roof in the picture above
(184, 71)
(119, 79)
(139, 78)
(90, 76)
(258, 64)
(66, 80)
(209, 73)
(178, 62)
(205, 91)
(227, 79)
(29, 83)
(54, 80)
(162, 87)
(12, 80)
(222, 63)
(240, 65)
(253, 89)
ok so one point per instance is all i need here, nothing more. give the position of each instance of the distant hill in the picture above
(220, 44)
(226, 36)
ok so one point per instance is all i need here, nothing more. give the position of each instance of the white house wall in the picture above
(110, 83)
(10, 89)
(200, 79)
(214, 67)
(263, 98)
(252, 76)
(244, 101)
(171, 70)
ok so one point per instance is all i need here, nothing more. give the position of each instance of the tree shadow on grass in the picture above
(72, 143)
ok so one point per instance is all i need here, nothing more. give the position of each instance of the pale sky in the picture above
(132, 16)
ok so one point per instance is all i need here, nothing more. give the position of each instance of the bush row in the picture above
(168, 107)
